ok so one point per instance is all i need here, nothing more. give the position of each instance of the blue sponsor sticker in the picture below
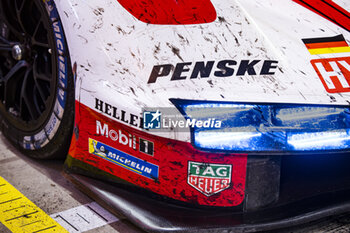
(124, 160)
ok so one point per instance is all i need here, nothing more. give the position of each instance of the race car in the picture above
(185, 115)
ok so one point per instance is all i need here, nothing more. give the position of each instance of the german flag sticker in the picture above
(326, 45)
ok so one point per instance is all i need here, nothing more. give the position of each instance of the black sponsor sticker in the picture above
(146, 146)
(201, 69)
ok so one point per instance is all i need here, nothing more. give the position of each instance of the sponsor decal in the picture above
(152, 120)
(208, 178)
(201, 69)
(123, 160)
(124, 139)
(116, 135)
(146, 146)
(334, 73)
(172, 166)
(118, 113)
(325, 45)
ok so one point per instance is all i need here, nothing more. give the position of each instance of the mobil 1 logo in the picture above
(146, 146)
(209, 178)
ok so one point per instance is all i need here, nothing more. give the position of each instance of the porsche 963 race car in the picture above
(189, 115)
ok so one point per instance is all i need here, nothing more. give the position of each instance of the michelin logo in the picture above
(122, 159)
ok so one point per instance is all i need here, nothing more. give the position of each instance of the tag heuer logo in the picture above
(209, 178)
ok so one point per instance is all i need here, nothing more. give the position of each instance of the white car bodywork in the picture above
(115, 54)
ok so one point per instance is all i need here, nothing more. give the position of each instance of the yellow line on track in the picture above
(19, 214)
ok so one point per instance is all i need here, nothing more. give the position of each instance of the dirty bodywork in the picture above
(131, 56)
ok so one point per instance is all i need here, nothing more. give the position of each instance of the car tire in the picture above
(36, 80)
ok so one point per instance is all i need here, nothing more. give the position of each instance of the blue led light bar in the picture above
(269, 127)
(325, 140)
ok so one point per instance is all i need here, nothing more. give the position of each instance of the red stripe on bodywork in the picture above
(171, 11)
(329, 10)
(171, 156)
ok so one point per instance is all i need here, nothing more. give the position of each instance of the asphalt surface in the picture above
(43, 183)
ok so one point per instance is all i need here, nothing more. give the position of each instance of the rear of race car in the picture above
(221, 108)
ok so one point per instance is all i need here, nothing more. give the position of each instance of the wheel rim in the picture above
(27, 64)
